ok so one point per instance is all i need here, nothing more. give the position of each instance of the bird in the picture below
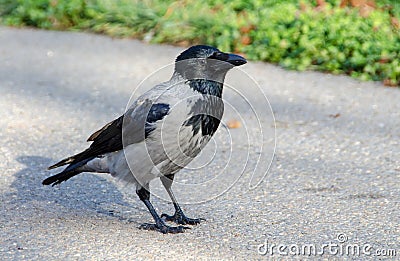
(160, 133)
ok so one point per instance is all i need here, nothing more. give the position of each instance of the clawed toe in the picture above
(163, 228)
(182, 219)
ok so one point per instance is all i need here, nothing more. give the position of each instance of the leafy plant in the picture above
(361, 41)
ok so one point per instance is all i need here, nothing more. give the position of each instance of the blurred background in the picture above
(360, 38)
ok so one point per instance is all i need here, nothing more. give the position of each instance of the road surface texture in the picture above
(334, 179)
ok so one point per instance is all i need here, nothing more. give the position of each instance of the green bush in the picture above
(43, 13)
(292, 33)
(335, 40)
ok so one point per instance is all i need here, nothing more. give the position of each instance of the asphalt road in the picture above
(334, 178)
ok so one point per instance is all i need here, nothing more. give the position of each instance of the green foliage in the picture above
(42, 13)
(336, 40)
(292, 33)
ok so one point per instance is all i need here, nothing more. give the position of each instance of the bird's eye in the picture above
(219, 56)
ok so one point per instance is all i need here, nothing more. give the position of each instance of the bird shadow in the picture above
(86, 193)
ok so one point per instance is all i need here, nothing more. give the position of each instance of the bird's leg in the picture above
(144, 195)
(178, 217)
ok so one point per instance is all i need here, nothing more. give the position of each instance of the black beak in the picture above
(236, 60)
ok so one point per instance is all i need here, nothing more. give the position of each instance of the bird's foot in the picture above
(180, 218)
(163, 228)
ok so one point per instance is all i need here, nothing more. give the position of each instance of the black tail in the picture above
(70, 171)
(69, 160)
(60, 177)
(62, 163)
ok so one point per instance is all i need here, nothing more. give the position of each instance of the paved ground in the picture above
(336, 169)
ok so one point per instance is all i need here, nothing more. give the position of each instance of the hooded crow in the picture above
(161, 132)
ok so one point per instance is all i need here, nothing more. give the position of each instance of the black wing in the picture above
(107, 139)
(139, 123)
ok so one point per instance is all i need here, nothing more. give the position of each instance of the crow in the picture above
(161, 132)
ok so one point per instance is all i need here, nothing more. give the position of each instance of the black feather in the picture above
(60, 177)
(208, 87)
(197, 51)
(206, 123)
(107, 139)
(157, 112)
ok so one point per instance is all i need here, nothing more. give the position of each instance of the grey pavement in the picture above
(336, 169)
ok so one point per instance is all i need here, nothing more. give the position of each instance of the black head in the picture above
(206, 62)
